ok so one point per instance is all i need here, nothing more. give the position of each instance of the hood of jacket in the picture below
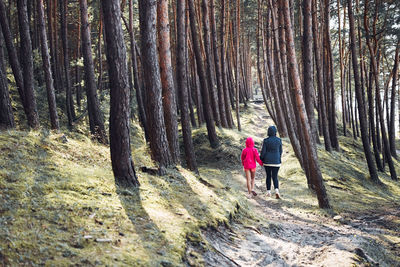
(272, 131)
(249, 142)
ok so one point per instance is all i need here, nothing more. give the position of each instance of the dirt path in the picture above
(290, 240)
(282, 236)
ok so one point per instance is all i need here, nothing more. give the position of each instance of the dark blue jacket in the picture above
(271, 151)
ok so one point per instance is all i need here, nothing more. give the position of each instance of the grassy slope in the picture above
(57, 193)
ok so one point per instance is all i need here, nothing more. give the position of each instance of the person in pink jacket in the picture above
(249, 157)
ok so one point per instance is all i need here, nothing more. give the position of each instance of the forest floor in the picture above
(359, 230)
(60, 206)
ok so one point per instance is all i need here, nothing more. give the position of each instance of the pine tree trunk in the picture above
(341, 67)
(27, 65)
(315, 172)
(152, 80)
(12, 54)
(136, 82)
(372, 125)
(220, 90)
(96, 120)
(386, 145)
(308, 68)
(283, 111)
(209, 63)
(237, 55)
(99, 56)
(212, 134)
(192, 98)
(167, 80)
(223, 67)
(320, 81)
(58, 67)
(392, 130)
(51, 97)
(64, 40)
(289, 96)
(352, 115)
(359, 94)
(6, 113)
(182, 85)
(328, 62)
(121, 158)
(261, 77)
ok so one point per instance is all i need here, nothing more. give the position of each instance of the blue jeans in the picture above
(272, 172)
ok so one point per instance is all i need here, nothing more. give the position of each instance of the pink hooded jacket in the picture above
(250, 155)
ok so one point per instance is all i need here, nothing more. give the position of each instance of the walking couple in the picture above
(270, 158)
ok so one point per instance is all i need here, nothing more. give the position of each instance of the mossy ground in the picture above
(58, 198)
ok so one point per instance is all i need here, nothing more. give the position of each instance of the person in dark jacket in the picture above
(271, 153)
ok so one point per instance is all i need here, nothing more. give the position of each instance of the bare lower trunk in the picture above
(182, 86)
(167, 80)
(363, 117)
(209, 63)
(27, 65)
(121, 158)
(51, 97)
(154, 108)
(64, 38)
(386, 146)
(316, 176)
(308, 67)
(320, 84)
(208, 114)
(220, 90)
(392, 130)
(95, 115)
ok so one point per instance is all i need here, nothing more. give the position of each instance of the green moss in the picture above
(60, 197)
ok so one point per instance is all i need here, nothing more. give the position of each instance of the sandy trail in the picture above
(280, 237)
(287, 240)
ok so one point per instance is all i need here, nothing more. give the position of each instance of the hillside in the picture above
(61, 207)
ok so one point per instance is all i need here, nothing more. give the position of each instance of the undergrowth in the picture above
(60, 205)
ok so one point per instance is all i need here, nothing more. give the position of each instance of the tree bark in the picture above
(315, 172)
(12, 54)
(152, 80)
(308, 68)
(341, 68)
(64, 40)
(121, 158)
(6, 113)
(209, 63)
(392, 130)
(221, 96)
(96, 120)
(359, 94)
(223, 67)
(182, 85)
(212, 134)
(237, 73)
(328, 62)
(27, 64)
(136, 82)
(167, 80)
(51, 97)
(386, 145)
(321, 93)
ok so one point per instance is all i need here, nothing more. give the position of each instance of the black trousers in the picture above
(272, 172)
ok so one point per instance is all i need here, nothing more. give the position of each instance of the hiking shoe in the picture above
(254, 193)
(268, 194)
(250, 195)
(277, 196)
